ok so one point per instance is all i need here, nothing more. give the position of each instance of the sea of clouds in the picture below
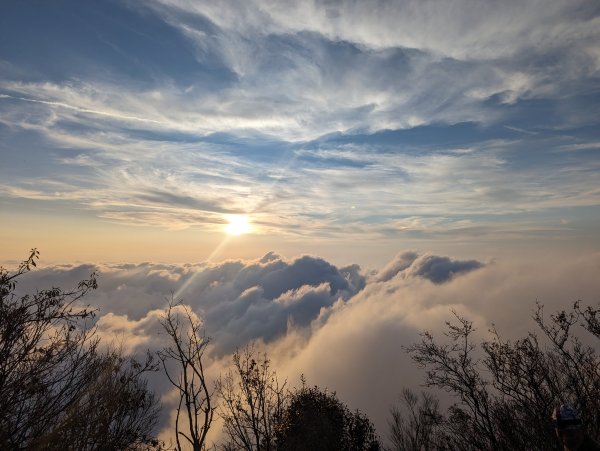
(344, 328)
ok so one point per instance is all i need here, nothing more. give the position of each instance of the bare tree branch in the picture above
(186, 351)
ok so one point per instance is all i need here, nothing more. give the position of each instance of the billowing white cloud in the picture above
(239, 301)
(434, 268)
(358, 351)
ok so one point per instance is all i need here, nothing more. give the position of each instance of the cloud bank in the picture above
(241, 301)
(342, 327)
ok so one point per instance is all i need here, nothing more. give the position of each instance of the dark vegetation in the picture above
(253, 402)
(60, 388)
(317, 420)
(504, 390)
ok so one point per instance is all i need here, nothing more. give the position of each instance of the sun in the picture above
(238, 225)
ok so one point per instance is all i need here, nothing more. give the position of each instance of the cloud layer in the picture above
(342, 328)
(241, 301)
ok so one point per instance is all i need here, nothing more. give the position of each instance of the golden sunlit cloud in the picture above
(238, 225)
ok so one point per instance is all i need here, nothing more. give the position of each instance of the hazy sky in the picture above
(394, 160)
(130, 130)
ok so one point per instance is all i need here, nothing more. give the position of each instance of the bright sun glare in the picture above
(238, 225)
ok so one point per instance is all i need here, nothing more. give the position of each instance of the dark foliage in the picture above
(316, 420)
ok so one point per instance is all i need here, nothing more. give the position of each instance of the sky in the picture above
(130, 131)
(392, 160)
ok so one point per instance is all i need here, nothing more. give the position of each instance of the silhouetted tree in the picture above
(253, 401)
(186, 351)
(317, 420)
(57, 390)
(415, 422)
(117, 410)
(506, 390)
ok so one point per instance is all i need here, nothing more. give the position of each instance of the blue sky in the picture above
(368, 127)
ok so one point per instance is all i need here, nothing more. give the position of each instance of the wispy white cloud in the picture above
(298, 85)
(305, 70)
(178, 185)
(109, 114)
(459, 28)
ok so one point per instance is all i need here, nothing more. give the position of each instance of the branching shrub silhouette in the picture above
(505, 390)
(195, 410)
(252, 401)
(57, 389)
